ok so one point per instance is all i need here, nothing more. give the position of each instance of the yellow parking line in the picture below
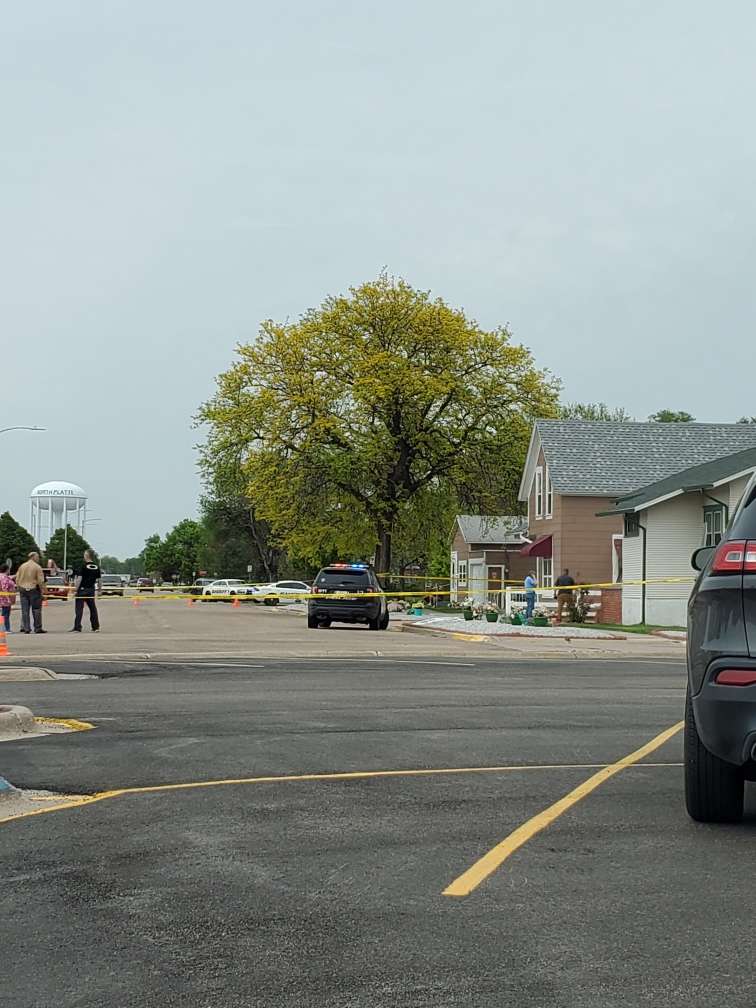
(70, 723)
(80, 800)
(488, 864)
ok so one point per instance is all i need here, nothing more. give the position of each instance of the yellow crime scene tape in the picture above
(158, 595)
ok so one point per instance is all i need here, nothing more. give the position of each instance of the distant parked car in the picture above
(225, 588)
(199, 586)
(111, 584)
(57, 586)
(145, 584)
(281, 591)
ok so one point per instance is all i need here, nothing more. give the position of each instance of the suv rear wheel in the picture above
(713, 789)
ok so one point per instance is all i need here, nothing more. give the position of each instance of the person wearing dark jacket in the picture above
(564, 585)
(87, 585)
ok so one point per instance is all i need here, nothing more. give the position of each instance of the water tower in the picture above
(55, 505)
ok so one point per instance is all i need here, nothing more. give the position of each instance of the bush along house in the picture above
(664, 523)
(575, 473)
(485, 552)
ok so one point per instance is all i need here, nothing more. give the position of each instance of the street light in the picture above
(4, 430)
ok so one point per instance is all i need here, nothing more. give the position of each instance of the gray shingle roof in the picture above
(491, 528)
(611, 459)
(695, 478)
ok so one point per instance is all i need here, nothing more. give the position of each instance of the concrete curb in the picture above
(540, 638)
(16, 721)
(7, 790)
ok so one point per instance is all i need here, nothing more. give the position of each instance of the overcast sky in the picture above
(173, 171)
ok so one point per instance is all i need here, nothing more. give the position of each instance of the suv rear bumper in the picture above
(726, 715)
(345, 613)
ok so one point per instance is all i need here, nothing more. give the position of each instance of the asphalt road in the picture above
(330, 891)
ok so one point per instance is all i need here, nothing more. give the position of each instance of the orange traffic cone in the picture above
(4, 652)
(44, 602)
(189, 603)
(236, 604)
(135, 602)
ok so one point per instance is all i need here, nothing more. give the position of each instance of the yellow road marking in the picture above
(488, 864)
(348, 775)
(71, 723)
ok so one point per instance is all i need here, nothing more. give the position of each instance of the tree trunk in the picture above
(383, 554)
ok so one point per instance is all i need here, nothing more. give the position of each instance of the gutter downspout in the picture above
(643, 574)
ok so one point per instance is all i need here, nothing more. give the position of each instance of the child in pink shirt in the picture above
(7, 596)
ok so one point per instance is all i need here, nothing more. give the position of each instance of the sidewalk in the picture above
(548, 642)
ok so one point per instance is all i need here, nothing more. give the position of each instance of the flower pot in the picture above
(467, 613)
(540, 621)
(492, 617)
(517, 620)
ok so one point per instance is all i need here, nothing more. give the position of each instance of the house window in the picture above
(539, 493)
(544, 572)
(713, 524)
(462, 574)
(549, 495)
(632, 526)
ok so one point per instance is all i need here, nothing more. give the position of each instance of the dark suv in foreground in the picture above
(360, 597)
(720, 715)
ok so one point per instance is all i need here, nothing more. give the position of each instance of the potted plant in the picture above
(540, 618)
(491, 612)
(518, 617)
(467, 608)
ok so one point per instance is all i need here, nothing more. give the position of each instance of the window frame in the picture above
(713, 535)
(462, 573)
(548, 495)
(539, 497)
(545, 579)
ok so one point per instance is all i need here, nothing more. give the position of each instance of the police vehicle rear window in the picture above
(343, 579)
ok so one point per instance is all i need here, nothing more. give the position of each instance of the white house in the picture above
(664, 523)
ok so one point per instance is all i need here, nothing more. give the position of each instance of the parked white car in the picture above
(227, 587)
(280, 591)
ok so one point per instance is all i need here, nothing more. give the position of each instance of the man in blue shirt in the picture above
(530, 595)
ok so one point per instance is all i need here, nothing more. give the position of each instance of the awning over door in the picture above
(540, 547)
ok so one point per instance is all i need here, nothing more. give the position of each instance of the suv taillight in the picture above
(735, 557)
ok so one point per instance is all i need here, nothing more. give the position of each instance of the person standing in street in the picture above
(530, 595)
(7, 595)
(87, 584)
(30, 581)
(564, 584)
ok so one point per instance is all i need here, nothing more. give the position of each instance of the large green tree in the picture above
(72, 545)
(344, 418)
(15, 542)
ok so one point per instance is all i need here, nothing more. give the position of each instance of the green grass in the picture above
(638, 628)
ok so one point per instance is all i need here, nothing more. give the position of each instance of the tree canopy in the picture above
(347, 422)
(15, 542)
(72, 545)
(671, 416)
(178, 555)
(593, 411)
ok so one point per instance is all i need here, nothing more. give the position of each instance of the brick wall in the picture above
(611, 605)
